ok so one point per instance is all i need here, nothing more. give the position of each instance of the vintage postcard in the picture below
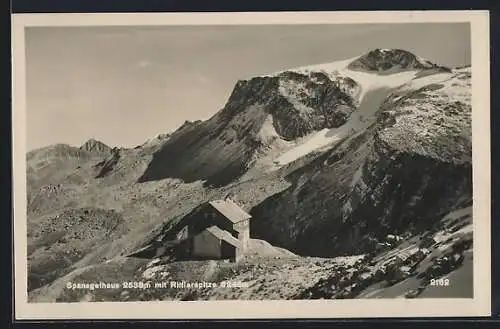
(251, 165)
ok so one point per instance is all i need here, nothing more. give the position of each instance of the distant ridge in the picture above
(95, 146)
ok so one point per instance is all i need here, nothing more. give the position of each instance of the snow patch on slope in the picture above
(267, 134)
(455, 86)
(424, 81)
(367, 80)
(374, 89)
(315, 142)
(327, 68)
(372, 81)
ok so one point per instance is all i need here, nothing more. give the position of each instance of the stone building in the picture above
(219, 229)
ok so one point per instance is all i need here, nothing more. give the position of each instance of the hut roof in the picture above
(230, 210)
(224, 235)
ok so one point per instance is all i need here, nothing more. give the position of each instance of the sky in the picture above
(125, 85)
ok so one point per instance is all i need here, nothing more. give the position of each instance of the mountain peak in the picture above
(93, 145)
(384, 59)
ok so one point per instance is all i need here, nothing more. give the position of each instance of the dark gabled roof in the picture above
(230, 210)
(224, 235)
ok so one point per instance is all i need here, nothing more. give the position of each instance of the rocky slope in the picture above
(261, 114)
(330, 160)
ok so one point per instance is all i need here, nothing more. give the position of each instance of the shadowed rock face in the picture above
(221, 149)
(402, 174)
(326, 218)
(107, 165)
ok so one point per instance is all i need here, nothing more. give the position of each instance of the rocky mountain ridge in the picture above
(381, 60)
(95, 146)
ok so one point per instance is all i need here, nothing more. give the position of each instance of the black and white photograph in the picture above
(251, 162)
